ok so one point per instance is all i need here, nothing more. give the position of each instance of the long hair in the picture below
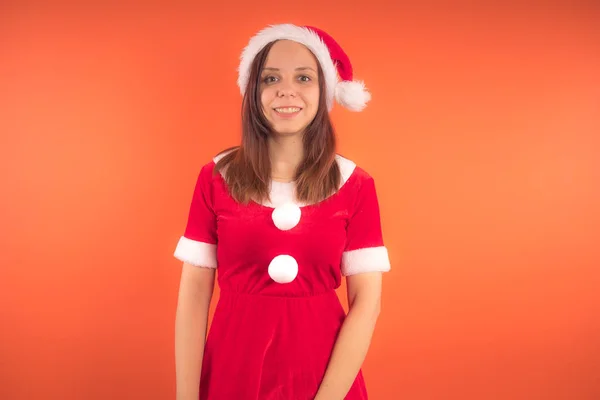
(248, 166)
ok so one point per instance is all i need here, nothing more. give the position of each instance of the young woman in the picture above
(282, 218)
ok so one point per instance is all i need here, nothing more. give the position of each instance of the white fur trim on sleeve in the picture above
(371, 259)
(196, 253)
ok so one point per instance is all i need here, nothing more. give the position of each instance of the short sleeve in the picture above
(365, 250)
(198, 245)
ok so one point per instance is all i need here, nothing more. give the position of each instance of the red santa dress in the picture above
(278, 266)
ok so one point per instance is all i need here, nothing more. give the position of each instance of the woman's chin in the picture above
(288, 130)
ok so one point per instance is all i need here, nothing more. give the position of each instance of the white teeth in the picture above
(288, 110)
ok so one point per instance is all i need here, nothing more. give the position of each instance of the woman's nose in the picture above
(285, 93)
(286, 89)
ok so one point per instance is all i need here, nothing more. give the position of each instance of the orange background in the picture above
(482, 135)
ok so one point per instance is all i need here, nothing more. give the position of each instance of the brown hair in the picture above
(248, 165)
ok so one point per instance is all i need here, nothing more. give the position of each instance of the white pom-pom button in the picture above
(286, 216)
(283, 269)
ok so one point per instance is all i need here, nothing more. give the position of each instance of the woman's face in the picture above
(289, 87)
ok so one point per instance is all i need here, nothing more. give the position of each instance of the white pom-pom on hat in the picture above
(334, 62)
(352, 94)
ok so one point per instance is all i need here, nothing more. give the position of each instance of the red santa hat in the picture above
(337, 69)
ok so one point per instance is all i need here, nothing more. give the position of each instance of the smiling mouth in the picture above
(287, 110)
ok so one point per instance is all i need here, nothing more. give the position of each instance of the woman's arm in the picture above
(350, 350)
(191, 320)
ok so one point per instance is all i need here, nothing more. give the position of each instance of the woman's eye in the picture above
(305, 78)
(269, 79)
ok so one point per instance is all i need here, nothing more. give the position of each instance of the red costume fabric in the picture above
(278, 266)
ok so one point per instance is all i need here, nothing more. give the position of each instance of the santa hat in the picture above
(334, 62)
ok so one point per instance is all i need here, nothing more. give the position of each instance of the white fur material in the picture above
(295, 33)
(352, 95)
(346, 168)
(198, 254)
(282, 193)
(286, 216)
(283, 269)
(371, 259)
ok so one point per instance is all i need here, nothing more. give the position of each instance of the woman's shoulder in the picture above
(217, 157)
(208, 170)
(352, 173)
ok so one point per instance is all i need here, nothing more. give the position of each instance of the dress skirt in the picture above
(272, 348)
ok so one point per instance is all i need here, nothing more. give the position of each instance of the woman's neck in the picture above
(286, 153)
